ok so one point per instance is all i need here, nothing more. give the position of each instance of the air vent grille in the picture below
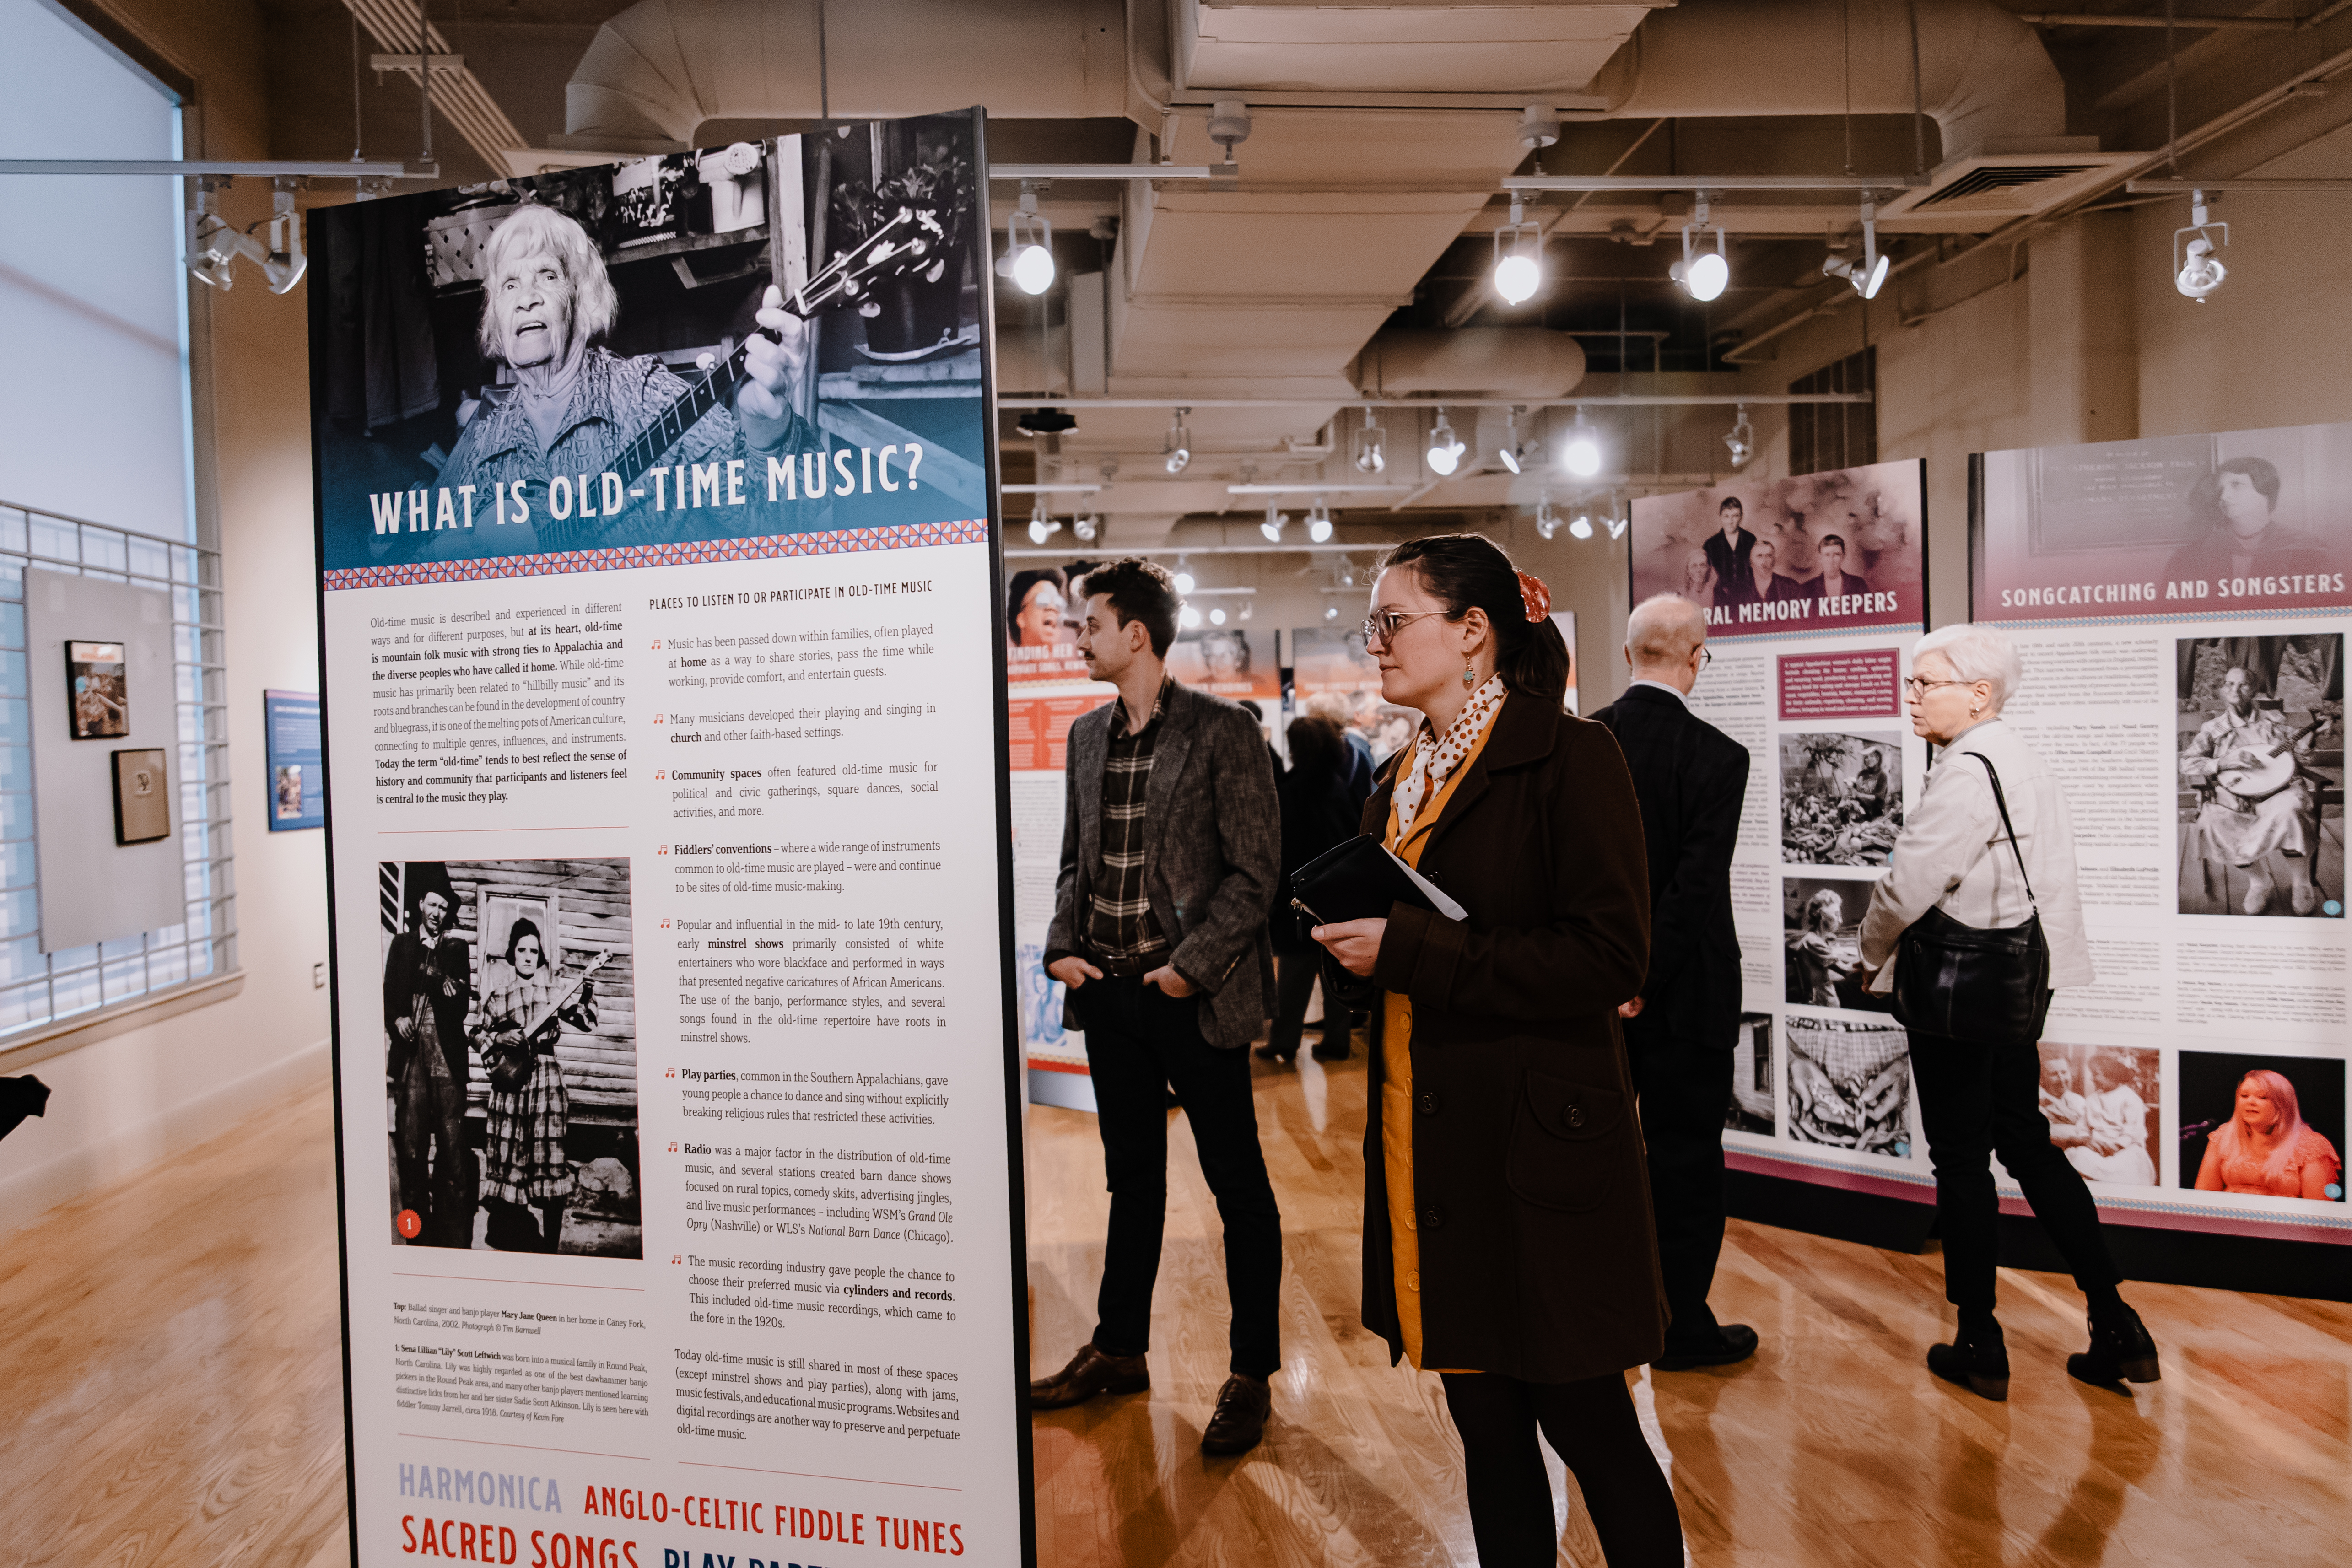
(1995, 180)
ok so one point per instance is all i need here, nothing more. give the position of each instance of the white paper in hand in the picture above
(1437, 896)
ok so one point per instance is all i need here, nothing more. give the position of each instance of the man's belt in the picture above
(1128, 967)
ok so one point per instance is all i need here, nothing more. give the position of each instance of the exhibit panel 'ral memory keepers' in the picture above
(662, 671)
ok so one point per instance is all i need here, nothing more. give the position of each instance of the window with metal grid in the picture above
(1826, 435)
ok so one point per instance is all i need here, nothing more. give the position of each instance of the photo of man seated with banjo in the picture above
(2261, 775)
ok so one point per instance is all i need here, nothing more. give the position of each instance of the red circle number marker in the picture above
(407, 1223)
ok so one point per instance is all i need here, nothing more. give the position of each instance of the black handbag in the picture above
(1969, 982)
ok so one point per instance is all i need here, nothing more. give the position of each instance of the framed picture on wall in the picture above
(98, 690)
(142, 797)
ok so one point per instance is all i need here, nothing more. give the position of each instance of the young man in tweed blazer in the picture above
(1170, 858)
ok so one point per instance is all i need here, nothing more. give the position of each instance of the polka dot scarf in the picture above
(1435, 760)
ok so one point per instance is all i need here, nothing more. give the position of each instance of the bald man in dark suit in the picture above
(1690, 779)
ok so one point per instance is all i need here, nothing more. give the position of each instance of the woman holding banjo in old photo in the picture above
(1508, 1239)
(525, 1164)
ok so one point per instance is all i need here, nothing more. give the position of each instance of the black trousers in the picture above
(1686, 1090)
(1976, 1099)
(1293, 984)
(1141, 1043)
(1591, 1425)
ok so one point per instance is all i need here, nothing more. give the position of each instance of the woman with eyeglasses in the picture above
(1980, 1094)
(1508, 1239)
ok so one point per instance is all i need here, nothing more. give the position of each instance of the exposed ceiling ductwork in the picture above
(1497, 361)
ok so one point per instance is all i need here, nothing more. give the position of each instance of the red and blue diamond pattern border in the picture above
(695, 552)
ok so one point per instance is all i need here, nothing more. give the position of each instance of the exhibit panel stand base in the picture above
(2262, 1265)
(1070, 1091)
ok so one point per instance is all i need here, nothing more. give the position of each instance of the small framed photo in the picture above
(142, 797)
(98, 690)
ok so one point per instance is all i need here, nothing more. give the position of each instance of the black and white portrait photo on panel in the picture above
(511, 1056)
(1848, 1082)
(1750, 1110)
(2260, 756)
(2263, 1123)
(2104, 1104)
(1840, 796)
(1820, 920)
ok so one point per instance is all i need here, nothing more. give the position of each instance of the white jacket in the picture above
(1954, 856)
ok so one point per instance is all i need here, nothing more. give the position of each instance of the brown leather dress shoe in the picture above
(1243, 1406)
(1090, 1373)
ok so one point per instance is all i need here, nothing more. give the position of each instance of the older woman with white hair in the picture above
(575, 407)
(1978, 1084)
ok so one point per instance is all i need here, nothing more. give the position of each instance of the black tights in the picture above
(1591, 1425)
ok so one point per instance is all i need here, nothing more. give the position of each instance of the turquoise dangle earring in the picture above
(1469, 674)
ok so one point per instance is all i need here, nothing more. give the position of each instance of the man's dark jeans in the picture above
(1686, 1090)
(1141, 1043)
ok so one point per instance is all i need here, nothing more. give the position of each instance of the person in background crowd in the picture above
(1978, 1097)
(1690, 779)
(2266, 1147)
(1037, 608)
(1317, 813)
(1727, 552)
(1835, 580)
(1170, 854)
(1507, 1240)
(526, 1163)
(1333, 706)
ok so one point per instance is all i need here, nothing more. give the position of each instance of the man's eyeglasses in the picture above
(1920, 688)
(1383, 624)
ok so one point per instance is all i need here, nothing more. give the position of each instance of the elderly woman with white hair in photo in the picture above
(1977, 918)
(576, 407)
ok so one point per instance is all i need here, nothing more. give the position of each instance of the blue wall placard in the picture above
(298, 774)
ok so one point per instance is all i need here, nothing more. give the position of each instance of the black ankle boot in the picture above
(2122, 1351)
(1977, 1360)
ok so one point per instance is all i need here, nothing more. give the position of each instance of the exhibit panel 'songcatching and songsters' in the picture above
(2180, 605)
(663, 682)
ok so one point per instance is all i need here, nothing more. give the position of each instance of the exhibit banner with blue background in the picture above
(298, 772)
(664, 685)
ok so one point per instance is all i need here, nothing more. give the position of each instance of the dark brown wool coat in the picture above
(1538, 1254)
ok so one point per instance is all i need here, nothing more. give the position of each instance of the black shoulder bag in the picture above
(1968, 982)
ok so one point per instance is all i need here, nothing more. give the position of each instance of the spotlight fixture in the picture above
(213, 243)
(1518, 255)
(1244, 613)
(1868, 274)
(1216, 617)
(1272, 527)
(1702, 275)
(1037, 422)
(1087, 528)
(1177, 450)
(1187, 617)
(1182, 580)
(1580, 456)
(1371, 446)
(1319, 522)
(1741, 442)
(2203, 272)
(1040, 527)
(1445, 448)
(1620, 516)
(1330, 613)
(1546, 520)
(1518, 455)
(1580, 526)
(1028, 258)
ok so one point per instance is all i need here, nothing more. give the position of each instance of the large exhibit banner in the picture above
(663, 681)
(1813, 589)
(2181, 606)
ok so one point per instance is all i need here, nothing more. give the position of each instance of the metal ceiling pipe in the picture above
(1499, 362)
(662, 68)
(1984, 75)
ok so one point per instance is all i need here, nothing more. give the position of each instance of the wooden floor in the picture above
(170, 1392)
(1834, 1446)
